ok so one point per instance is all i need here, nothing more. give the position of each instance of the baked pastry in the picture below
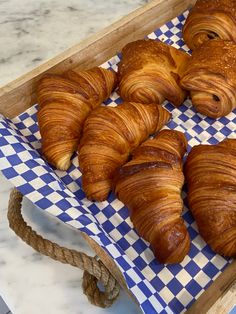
(64, 104)
(110, 134)
(211, 78)
(150, 186)
(150, 71)
(210, 19)
(211, 178)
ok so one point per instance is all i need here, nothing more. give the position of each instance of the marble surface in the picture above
(34, 284)
(30, 33)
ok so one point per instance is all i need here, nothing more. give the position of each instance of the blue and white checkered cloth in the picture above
(158, 288)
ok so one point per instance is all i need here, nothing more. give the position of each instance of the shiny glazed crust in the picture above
(64, 104)
(109, 135)
(211, 78)
(210, 19)
(211, 178)
(150, 71)
(150, 186)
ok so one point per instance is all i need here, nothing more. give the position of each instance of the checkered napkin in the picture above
(158, 288)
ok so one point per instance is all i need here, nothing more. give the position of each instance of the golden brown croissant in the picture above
(209, 20)
(211, 178)
(149, 72)
(211, 78)
(64, 104)
(150, 186)
(109, 135)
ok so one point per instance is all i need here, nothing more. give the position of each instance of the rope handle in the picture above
(94, 270)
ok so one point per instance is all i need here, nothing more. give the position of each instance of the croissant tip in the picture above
(178, 255)
(64, 163)
(96, 191)
(96, 197)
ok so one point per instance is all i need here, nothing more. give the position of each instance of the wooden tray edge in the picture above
(217, 289)
(19, 95)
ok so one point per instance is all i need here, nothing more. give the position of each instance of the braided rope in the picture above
(94, 270)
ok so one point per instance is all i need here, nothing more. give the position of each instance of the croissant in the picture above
(64, 104)
(211, 78)
(209, 20)
(211, 178)
(109, 135)
(150, 71)
(150, 186)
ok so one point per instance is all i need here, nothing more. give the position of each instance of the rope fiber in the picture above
(94, 270)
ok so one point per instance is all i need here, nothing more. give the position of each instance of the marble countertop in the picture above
(34, 284)
(32, 32)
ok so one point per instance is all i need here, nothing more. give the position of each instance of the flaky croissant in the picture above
(109, 135)
(210, 19)
(150, 186)
(211, 78)
(149, 72)
(64, 104)
(211, 178)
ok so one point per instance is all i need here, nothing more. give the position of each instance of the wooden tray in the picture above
(19, 95)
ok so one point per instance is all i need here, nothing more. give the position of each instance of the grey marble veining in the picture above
(32, 32)
(34, 284)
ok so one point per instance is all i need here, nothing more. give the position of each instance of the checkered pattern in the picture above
(158, 288)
